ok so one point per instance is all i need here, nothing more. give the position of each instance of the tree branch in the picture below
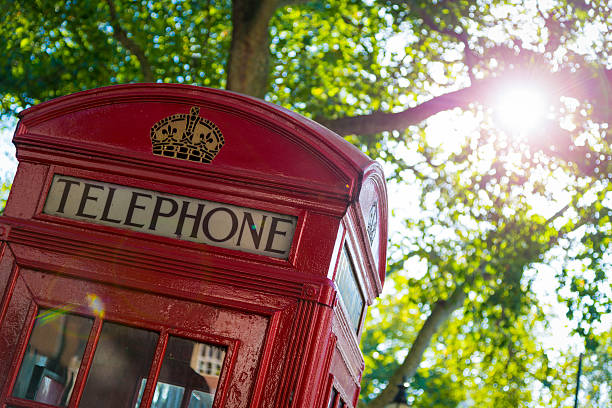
(381, 121)
(440, 313)
(586, 83)
(121, 36)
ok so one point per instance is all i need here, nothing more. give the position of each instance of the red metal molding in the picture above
(5, 231)
(324, 146)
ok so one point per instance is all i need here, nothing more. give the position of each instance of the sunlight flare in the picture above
(519, 110)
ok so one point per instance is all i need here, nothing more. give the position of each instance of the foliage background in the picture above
(501, 233)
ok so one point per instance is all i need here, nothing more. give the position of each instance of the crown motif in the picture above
(187, 136)
(372, 222)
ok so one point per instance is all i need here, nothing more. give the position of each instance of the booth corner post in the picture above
(178, 246)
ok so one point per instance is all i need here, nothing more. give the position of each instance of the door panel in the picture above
(132, 322)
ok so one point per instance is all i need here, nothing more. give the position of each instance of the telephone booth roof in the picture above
(278, 155)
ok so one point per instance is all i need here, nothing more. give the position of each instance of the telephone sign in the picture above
(216, 224)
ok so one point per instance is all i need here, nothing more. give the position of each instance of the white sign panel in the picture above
(191, 219)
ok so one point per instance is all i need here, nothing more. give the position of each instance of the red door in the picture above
(87, 344)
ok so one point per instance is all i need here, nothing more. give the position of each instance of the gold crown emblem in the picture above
(187, 136)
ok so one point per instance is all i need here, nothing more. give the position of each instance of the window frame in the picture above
(347, 247)
(128, 319)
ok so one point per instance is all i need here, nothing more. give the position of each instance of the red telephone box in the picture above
(173, 246)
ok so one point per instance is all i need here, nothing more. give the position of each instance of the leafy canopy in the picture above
(487, 217)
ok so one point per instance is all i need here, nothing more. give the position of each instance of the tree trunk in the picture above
(249, 57)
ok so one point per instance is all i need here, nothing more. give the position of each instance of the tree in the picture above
(382, 73)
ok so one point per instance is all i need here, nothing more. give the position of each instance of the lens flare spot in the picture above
(95, 304)
(47, 316)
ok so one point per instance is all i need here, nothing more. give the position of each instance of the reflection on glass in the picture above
(122, 359)
(189, 370)
(53, 357)
(349, 289)
(165, 396)
(201, 399)
(332, 398)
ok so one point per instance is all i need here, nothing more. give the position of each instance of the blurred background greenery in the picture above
(491, 119)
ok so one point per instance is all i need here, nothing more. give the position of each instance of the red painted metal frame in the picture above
(289, 340)
(126, 311)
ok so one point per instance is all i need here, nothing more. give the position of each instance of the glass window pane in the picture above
(201, 399)
(332, 398)
(187, 368)
(167, 395)
(349, 289)
(122, 360)
(53, 357)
